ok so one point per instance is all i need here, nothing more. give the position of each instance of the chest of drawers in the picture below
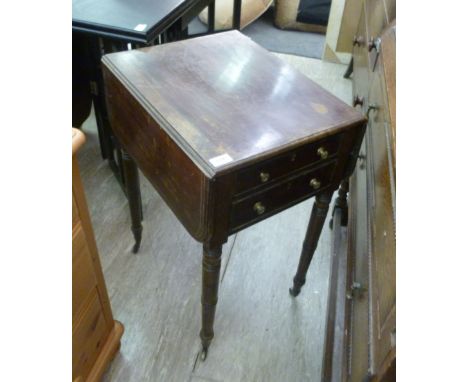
(95, 334)
(367, 345)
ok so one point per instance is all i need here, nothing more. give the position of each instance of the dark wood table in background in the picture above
(228, 134)
(103, 26)
(135, 21)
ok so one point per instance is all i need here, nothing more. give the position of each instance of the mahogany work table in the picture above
(228, 134)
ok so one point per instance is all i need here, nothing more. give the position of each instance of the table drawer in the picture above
(262, 204)
(270, 171)
(83, 278)
(89, 336)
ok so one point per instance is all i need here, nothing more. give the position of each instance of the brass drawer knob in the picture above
(259, 208)
(314, 183)
(264, 177)
(322, 152)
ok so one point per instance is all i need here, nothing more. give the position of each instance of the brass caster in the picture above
(137, 236)
(294, 292)
(204, 354)
(136, 247)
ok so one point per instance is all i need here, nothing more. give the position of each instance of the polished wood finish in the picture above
(221, 83)
(280, 196)
(95, 334)
(283, 165)
(198, 115)
(370, 310)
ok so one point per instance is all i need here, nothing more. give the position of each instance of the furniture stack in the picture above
(366, 348)
(372, 200)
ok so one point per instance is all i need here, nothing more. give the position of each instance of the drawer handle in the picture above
(358, 100)
(264, 177)
(357, 40)
(259, 208)
(322, 152)
(314, 183)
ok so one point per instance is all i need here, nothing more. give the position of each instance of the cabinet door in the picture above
(381, 219)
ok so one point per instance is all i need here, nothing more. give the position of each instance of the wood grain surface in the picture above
(95, 334)
(225, 95)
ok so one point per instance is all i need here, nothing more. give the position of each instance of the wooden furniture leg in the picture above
(210, 283)
(211, 17)
(132, 185)
(236, 14)
(317, 219)
(341, 202)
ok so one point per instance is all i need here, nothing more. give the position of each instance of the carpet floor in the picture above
(264, 33)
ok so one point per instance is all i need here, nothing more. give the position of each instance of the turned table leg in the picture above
(210, 283)
(317, 219)
(132, 185)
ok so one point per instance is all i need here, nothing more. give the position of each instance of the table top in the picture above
(131, 20)
(226, 101)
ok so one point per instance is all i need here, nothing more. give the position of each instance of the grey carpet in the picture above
(264, 33)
